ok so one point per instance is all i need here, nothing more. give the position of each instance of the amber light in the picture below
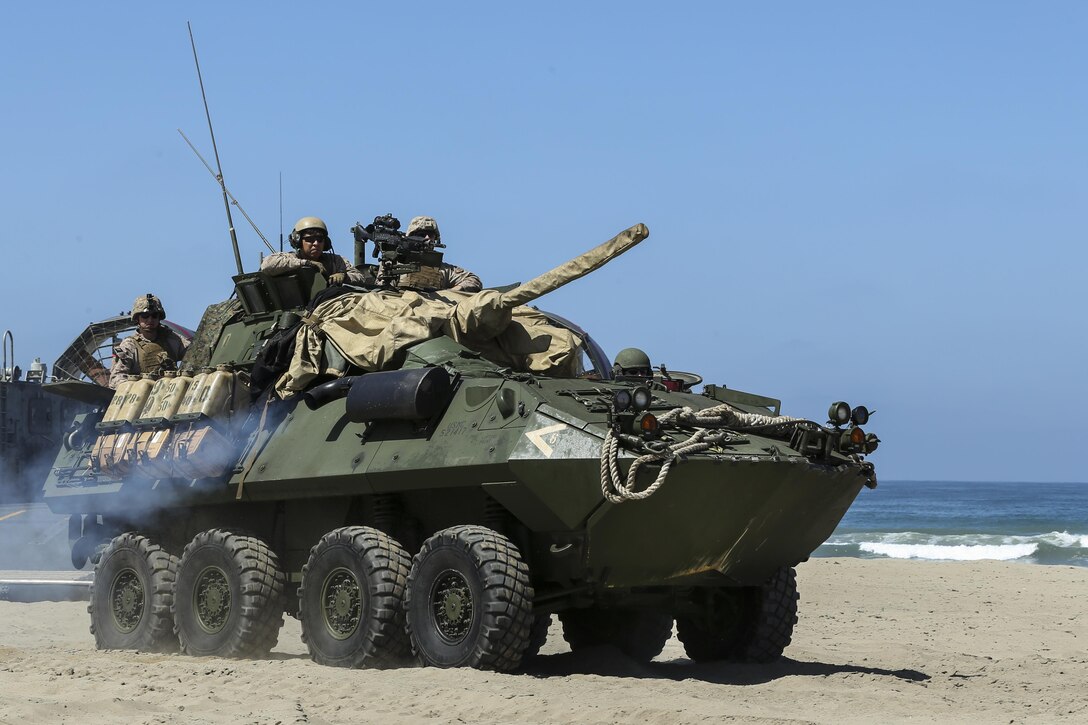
(648, 423)
(857, 436)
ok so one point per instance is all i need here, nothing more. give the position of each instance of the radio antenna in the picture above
(281, 211)
(232, 199)
(219, 166)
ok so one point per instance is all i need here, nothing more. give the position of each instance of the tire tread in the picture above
(507, 596)
(389, 564)
(762, 636)
(159, 636)
(262, 584)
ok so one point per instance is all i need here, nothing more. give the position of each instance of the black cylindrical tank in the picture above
(398, 395)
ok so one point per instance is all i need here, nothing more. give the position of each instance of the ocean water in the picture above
(1035, 523)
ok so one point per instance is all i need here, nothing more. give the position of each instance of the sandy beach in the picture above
(877, 641)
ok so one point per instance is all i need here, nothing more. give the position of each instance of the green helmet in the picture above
(303, 224)
(147, 303)
(423, 224)
(632, 361)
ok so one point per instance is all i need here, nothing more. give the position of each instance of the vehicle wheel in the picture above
(469, 601)
(229, 598)
(771, 623)
(351, 602)
(749, 625)
(131, 595)
(641, 635)
(538, 634)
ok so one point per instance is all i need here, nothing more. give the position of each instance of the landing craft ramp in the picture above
(35, 561)
(45, 586)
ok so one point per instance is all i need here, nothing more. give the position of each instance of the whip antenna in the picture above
(232, 199)
(281, 211)
(219, 166)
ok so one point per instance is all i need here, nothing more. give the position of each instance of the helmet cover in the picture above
(147, 303)
(423, 224)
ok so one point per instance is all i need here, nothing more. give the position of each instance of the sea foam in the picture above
(960, 552)
(1054, 547)
(1031, 523)
(1066, 540)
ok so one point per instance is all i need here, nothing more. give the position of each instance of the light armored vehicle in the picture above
(434, 474)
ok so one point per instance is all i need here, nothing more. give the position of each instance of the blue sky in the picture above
(882, 204)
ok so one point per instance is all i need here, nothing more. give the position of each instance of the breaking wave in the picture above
(1055, 547)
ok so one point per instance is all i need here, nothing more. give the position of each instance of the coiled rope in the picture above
(617, 489)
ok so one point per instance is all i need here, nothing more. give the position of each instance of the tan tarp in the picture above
(373, 329)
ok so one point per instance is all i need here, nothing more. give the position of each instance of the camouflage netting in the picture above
(372, 330)
(207, 333)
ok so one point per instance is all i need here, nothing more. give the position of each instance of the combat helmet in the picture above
(632, 361)
(423, 224)
(306, 222)
(147, 303)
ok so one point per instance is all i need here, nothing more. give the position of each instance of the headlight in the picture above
(860, 415)
(641, 398)
(621, 400)
(839, 413)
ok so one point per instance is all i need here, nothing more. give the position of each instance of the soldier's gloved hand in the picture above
(318, 265)
(337, 278)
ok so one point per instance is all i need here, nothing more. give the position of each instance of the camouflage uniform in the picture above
(447, 276)
(332, 262)
(137, 354)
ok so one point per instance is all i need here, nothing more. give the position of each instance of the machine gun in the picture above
(398, 253)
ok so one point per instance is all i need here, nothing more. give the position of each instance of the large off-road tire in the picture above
(755, 626)
(469, 601)
(230, 595)
(351, 602)
(131, 595)
(641, 635)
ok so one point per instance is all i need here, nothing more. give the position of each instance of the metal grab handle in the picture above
(9, 344)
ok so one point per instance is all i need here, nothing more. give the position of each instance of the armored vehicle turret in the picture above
(432, 475)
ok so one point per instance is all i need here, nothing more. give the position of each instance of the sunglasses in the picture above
(145, 315)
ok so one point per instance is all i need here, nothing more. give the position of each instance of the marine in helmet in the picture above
(447, 276)
(633, 363)
(310, 239)
(152, 349)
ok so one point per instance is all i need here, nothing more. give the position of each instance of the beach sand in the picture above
(877, 641)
